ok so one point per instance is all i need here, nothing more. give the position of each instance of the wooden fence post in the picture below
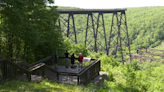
(58, 76)
(4, 70)
(43, 71)
(29, 76)
(99, 64)
(78, 80)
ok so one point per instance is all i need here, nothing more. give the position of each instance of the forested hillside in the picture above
(145, 26)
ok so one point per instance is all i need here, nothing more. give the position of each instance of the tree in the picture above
(29, 29)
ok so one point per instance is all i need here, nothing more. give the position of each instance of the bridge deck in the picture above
(88, 11)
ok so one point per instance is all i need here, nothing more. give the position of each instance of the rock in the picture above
(100, 78)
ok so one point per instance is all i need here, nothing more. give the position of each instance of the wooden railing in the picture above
(10, 70)
(41, 69)
(45, 60)
(85, 75)
(23, 64)
(89, 72)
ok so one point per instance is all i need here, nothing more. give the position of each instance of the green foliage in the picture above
(148, 65)
(75, 48)
(135, 65)
(79, 48)
(28, 30)
(94, 55)
(67, 44)
(131, 77)
(108, 60)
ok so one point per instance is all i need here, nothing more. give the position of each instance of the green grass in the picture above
(45, 86)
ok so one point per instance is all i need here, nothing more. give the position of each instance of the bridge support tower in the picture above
(115, 42)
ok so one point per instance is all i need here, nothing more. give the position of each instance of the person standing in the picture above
(80, 60)
(56, 59)
(66, 58)
(137, 50)
(72, 60)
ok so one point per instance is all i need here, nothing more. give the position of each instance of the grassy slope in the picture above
(44, 86)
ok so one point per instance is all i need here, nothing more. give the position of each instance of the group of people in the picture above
(80, 59)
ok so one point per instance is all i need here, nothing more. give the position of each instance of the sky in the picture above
(108, 4)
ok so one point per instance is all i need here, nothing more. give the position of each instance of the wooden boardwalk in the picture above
(68, 70)
(41, 70)
(62, 78)
(65, 78)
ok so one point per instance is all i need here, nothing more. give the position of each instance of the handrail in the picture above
(70, 58)
(17, 70)
(48, 58)
(42, 60)
(77, 74)
(84, 77)
(43, 66)
(4, 60)
(35, 67)
(24, 64)
(89, 66)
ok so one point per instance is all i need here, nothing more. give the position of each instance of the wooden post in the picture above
(29, 76)
(78, 80)
(4, 69)
(52, 60)
(58, 76)
(99, 66)
(43, 71)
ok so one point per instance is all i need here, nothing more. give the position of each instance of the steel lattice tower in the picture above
(114, 43)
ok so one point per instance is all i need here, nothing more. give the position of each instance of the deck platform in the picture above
(44, 69)
(62, 78)
(68, 70)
